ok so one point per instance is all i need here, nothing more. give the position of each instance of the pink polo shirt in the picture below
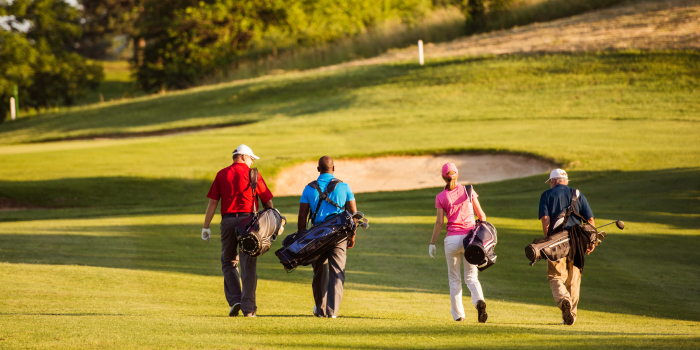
(458, 208)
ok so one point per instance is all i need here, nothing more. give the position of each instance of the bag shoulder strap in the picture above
(253, 177)
(468, 189)
(563, 216)
(323, 196)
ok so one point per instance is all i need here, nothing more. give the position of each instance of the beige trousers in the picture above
(565, 281)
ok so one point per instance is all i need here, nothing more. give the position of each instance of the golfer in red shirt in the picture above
(232, 186)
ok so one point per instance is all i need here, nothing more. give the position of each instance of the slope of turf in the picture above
(627, 86)
(114, 260)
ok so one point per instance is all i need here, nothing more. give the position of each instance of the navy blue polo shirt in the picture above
(556, 199)
(340, 195)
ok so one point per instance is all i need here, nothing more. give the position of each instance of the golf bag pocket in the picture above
(479, 247)
(552, 248)
(256, 235)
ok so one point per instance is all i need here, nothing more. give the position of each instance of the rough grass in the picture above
(117, 262)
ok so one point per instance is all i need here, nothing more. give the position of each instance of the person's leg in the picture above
(573, 285)
(453, 256)
(471, 277)
(557, 275)
(319, 285)
(336, 278)
(229, 261)
(249, 279)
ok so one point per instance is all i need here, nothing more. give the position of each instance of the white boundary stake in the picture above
(420, 52)
(13, 111)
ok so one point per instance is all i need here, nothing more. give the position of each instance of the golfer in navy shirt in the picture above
(329, 268)
(564, 278)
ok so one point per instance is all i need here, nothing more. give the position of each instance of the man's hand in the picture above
(432, 250)
(206, 234)
(351, 242)
(590, 249)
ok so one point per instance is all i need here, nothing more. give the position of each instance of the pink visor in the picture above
(449, 167)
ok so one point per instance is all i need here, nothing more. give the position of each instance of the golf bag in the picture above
(304, 247)
(558, 245)
(256, 236)
(479, 246)
(553, 247)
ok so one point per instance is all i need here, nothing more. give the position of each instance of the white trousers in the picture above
(454, 253)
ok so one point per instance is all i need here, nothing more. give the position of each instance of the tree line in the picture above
(45, 44)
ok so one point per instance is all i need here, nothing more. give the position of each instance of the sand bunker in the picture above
(407, 173)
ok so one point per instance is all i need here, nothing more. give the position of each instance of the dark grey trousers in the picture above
(231, 259)
(329, 277)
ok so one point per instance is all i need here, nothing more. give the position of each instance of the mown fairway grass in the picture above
(117, 262)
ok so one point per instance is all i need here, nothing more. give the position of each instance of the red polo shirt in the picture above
(232, 186)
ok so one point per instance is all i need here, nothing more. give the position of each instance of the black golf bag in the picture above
(304, 247)
(552, 247)
(558, 245)
(256, 236)
(479, 246)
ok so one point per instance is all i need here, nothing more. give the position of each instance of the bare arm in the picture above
(545, 224)
(439, 222)
(478, 211)
(591, 221)
(351, 206)
(303, 214)
(268, 204)
(211, 209)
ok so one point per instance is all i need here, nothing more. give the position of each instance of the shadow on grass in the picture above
(638, 271)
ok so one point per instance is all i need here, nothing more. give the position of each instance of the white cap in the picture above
(557, 173)
(243, 149)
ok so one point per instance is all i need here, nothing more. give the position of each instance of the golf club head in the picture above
(620, 224)
(359, 215)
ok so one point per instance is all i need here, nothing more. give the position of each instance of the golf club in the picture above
(618, 223)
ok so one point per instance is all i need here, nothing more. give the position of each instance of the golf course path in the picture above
(644, 25)
(398, 173)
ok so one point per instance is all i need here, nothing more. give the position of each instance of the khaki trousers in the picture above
(565, 282)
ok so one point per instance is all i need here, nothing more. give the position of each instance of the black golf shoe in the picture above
(481, 311)
(234, 310)
(566, 314)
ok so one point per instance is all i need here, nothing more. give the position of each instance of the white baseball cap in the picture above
(243, 149)
(557, 173)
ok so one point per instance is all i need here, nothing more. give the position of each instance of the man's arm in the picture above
(545, 224)
(351, 206)
(211, 209)
(591, 221)
(303, 214)
(268, 204)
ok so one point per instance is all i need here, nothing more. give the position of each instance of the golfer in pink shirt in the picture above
(459, 208)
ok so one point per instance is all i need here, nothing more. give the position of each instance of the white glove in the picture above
(432, 250)
(206, 234)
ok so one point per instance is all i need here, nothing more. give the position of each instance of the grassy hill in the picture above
(112, 258)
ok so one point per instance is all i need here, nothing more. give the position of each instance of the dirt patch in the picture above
(406, 173)
(645, 25)
(10, 205)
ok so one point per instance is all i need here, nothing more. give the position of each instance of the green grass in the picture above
(117, 85)
(114, 260)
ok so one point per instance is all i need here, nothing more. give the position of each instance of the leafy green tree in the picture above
(40, 58)
(186, 39)
(103, 20)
